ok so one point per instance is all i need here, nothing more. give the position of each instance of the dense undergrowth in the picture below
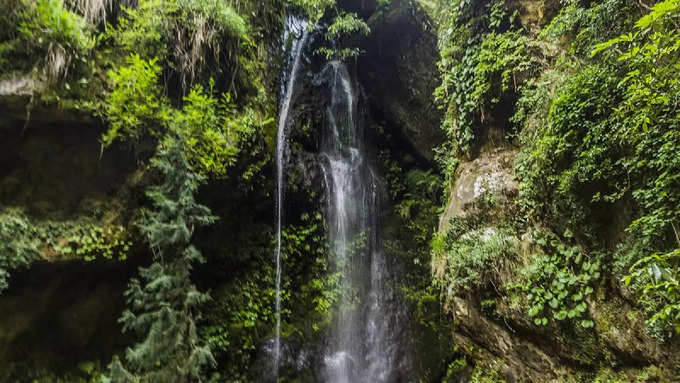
(585, 95)
(589, 94)
(194, 82)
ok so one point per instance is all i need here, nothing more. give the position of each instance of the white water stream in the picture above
(296, 33)
(362, 347)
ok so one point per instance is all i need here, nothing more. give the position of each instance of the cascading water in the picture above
(362, 346)
(296, 33)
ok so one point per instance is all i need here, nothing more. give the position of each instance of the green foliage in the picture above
(243, 316)
(51, 22)
(570, 155)
(657, 279)
(187, 34)
(482, 374)
(19, 245)
(502, 62)
(164, 303)
(144, 29)
(479, 373)
(406, 232)
(421, 189)
(43, 36)
(93, 242)
(586, 24)
(314, 9)
(215, 131)
(341, 32)
(25, 240)
(478, 249)
(558, 281)
(536, 97)
(317, 288)
(136, 105)
(648, 120)
(473, 259)
(612, 139)
(225, 17)
(344, 28)
(483, 60)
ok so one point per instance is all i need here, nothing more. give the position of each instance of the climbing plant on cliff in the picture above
(611, 140)
(18, 244)
(484, 58)
(648, 120)
(163, 303)
(43, 36)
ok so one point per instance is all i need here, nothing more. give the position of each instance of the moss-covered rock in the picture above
(490, 174)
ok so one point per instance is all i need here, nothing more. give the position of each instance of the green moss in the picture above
(25, 240)
(43, 36)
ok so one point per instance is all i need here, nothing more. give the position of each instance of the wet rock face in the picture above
(534, 14)
(399, 73)
(17, 86)
(299, 360)
(59, 314)
(524, 361)
(490, 173)
(505, 339)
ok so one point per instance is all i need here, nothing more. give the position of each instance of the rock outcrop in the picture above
(398, 71)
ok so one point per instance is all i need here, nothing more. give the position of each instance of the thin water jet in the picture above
(295, 31)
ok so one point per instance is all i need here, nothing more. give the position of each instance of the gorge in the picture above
(341, 191)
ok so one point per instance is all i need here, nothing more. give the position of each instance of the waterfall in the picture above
(362, 345)
(295, 32)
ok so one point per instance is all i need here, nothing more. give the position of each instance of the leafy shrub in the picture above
(44, 35)
(475, 259)
(191, 36)
(502, 65)
(135, 106)
(558, 282)
(49, 22)
(649, 122)
(586, 24)
(483, 59)
(215, 131)
(612, 139)
(144, 29)
(572, 155)
(656, 277)
(344, 28)
(18, 244)
(536, 96)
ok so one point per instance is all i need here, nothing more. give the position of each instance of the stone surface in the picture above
(524, 361)
(18, 86)
(59, 313)
(505, 337)
(491, 172)
(399, 73)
